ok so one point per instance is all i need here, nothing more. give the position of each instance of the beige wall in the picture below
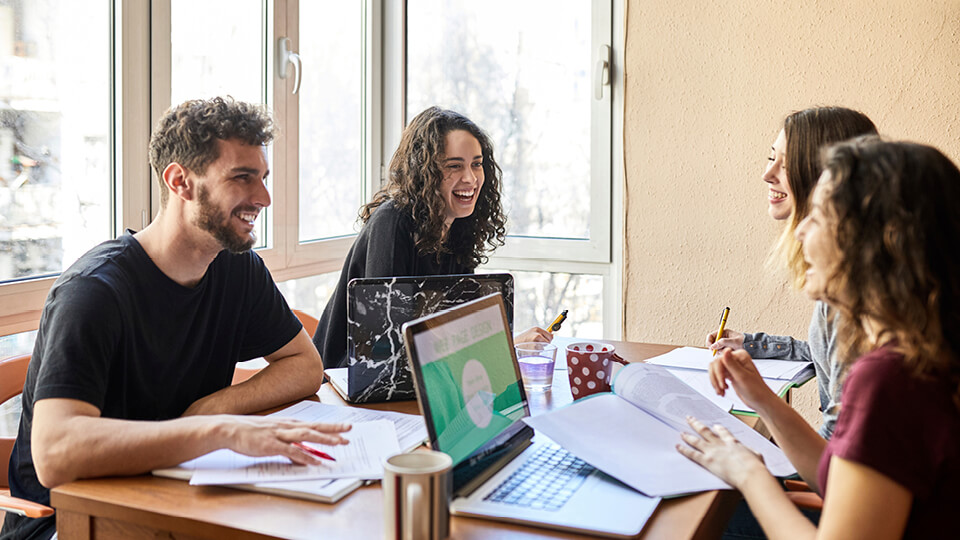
(707, 84)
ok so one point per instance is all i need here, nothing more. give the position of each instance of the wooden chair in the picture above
(802, 496)
(13, 372)
(309, 323)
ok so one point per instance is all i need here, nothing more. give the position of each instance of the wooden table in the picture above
(150, 507)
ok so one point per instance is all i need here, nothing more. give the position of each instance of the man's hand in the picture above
(70, 440)
(264, 436)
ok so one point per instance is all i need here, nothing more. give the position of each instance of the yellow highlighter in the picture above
(723, 322)
(555, 325)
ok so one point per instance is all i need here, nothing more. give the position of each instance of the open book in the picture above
(690, 364)
(277, 476)
(631, 433)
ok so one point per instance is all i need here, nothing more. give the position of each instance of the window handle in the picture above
(602, 74)
(286, 56)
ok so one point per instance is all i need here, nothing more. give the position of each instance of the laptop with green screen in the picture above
(469, 389)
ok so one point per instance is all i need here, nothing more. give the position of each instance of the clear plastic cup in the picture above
(537, 361)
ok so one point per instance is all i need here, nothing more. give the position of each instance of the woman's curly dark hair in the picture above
(416, 175)
(895, 205)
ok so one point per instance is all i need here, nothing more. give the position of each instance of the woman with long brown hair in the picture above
(791, 174)
(439, 213)
(881, 247)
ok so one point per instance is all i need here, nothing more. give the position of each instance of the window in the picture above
(55, 139)
(79, 97)
(524, 72)
(331, 140)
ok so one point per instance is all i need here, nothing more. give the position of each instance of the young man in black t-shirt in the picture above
(138, 339)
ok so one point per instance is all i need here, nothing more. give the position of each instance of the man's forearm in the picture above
(282, 381)
(92, 446)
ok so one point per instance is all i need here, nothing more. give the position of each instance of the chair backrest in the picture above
(309, 323)
(13, 372)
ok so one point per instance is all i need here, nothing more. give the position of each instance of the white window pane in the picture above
(521, 71)
(216, 49)
(540, 296)
(310, 294)
(331, 97)
(55, 200)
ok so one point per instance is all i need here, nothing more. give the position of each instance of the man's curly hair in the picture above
(416, 175)
(187, 133)
(894, 205)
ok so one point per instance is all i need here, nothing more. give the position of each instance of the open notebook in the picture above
(689, 364)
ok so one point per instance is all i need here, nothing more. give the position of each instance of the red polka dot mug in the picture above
(590, 365)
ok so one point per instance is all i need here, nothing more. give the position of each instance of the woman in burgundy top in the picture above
(882, 243)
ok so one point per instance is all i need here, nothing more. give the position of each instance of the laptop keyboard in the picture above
(545, 481)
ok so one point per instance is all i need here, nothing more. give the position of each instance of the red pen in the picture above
(313, 451)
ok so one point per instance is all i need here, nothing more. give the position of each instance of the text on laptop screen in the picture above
(469, 381)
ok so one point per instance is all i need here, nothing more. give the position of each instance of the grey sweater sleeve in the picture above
(820, 349)
(761, 345)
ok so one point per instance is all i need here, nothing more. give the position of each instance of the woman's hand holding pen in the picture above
(537, 334)
(533, 335)
(731, 339)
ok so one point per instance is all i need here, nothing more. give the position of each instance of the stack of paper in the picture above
(375, 436)
(690, 364)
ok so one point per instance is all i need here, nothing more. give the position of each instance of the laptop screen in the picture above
(378, 307)
(468, 381)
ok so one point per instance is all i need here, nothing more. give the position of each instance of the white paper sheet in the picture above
(699, 380)
(697, 358)
(411, 429)
(370, 444)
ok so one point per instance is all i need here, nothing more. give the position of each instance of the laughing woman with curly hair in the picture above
(439, 213)
(881, 245)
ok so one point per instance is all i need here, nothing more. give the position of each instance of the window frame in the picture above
(21, 301)
(141, 71)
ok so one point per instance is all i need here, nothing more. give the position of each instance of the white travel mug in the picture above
(416, 495)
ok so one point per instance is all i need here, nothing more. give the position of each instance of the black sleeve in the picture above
(271, 324)
(390, 245)
(79, 331)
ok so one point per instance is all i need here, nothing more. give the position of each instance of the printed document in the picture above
(370, 444)
(411, 430)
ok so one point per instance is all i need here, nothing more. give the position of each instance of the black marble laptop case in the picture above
(376, 310)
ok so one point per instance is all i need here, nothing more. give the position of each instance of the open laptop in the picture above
(377, 368)
(472, 399)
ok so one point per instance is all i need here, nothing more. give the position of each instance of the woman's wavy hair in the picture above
(895, 207)
(807, 132)
(416, 175)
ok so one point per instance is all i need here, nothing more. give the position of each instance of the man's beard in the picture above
(214, 221)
